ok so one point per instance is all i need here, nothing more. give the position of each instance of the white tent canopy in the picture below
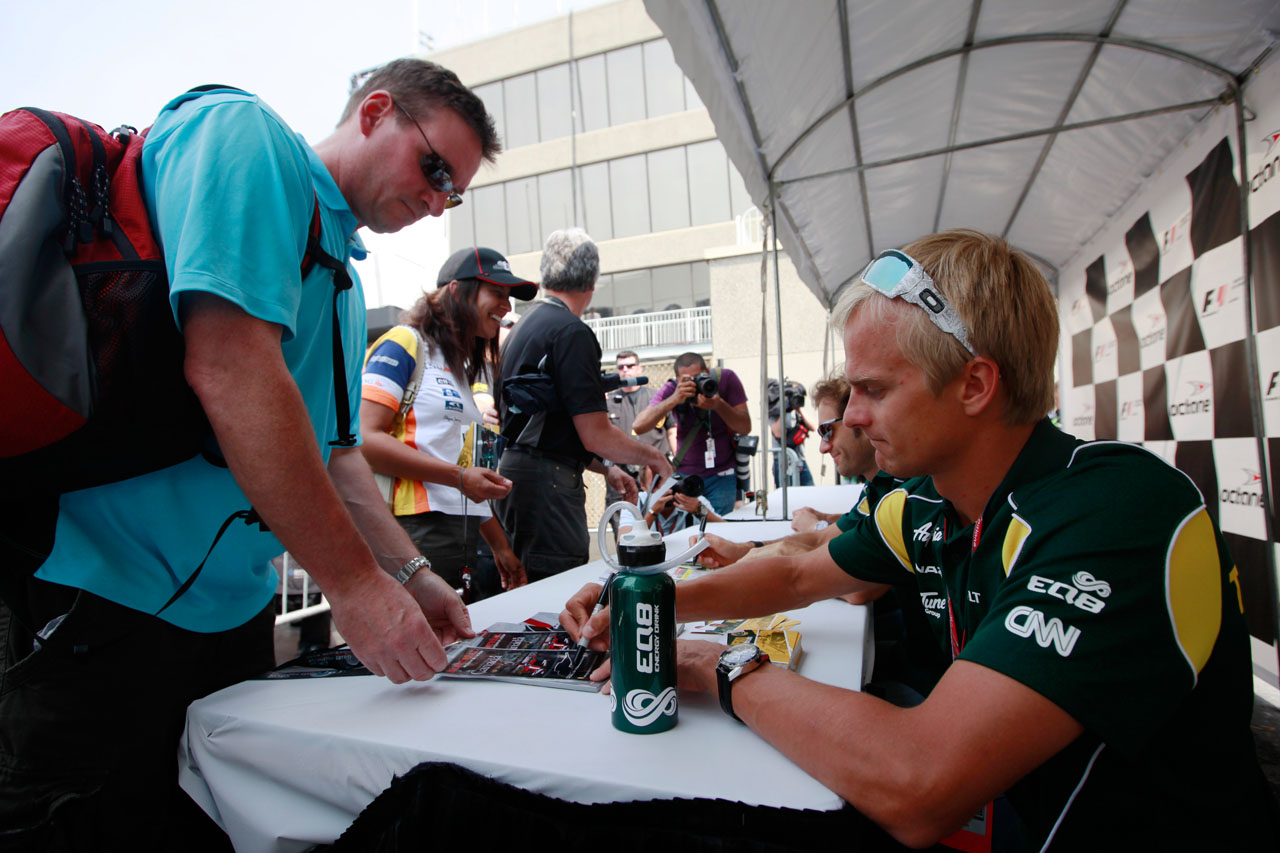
(863, 125)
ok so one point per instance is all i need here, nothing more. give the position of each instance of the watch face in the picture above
(738, 655)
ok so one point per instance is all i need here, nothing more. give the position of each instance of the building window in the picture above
(524, 232)
(608, 89)
(629, 194)
(491, 94)
(632, 292)
(521, 97)
(602, 300)
(555, 201)
(663, 80)
(701, 275)
(491, 217)
(668, 190)
(708, 183)
(626, 85)
(672, 287)
(462, 230)
(591, 93)
(593, 202)
(555, 111)
(642, 194)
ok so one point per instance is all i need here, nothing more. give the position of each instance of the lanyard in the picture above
(957, 640)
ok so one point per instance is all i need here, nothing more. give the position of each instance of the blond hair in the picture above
(1003, 300)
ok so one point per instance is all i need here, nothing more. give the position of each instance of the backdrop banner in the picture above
(1154, 328)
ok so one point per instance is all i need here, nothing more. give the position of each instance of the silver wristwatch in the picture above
(410, 568)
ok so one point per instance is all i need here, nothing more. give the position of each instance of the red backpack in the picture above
(92, 388)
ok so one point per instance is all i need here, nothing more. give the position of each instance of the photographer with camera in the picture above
(624, 403)
(709, 409)
(789, 420)
(683, 505)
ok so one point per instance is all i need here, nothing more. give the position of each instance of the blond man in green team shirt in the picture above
(1100, 671)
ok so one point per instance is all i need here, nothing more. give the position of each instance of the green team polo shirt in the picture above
(872, 491)
(1097, 579)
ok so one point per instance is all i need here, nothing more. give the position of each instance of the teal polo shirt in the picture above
(1099, 580)
(231, 190)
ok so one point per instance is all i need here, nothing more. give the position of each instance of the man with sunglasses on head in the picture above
(1100, 673)
(123, 644)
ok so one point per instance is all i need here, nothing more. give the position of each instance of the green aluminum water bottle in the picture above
(642, 637)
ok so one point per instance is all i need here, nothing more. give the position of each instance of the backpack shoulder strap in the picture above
(411, 390)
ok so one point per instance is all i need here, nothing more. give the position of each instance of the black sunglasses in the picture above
(434, 168)
(826, 429)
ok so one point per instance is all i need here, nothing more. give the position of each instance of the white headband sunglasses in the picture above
(898, 275)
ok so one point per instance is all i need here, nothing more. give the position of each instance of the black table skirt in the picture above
(438, 801)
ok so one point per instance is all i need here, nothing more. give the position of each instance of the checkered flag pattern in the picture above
(1157, 352)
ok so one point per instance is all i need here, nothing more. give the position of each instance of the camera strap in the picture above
(688, 440)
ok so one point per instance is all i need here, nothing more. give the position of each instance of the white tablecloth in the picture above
(283, 765)
(822, 498)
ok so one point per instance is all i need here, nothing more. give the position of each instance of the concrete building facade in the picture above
(602, 130)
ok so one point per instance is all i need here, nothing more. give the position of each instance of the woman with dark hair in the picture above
(418, 409)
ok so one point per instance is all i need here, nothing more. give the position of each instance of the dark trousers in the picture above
(90, 721)
(544, 514)
(438, 536)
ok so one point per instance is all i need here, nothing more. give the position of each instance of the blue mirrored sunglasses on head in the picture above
(899, 276)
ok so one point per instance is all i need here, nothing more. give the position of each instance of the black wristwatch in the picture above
(735, 662)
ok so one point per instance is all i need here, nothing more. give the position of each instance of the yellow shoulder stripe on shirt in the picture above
(1193, 588)
(405, 338)
(889, 522)
(1014, 538)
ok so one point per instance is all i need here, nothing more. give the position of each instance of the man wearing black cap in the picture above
(418, 378)
(554, 419)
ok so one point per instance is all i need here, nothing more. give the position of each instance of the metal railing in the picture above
(655, 329)
(287, 616)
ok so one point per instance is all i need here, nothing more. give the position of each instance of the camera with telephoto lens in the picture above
(687, 484)
(706, 384)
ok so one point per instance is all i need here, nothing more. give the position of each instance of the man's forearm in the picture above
(608, 442)
(236, 368)
(760, 587)
(797, 543)
(738, 421)
(391, 545)
(647, 419)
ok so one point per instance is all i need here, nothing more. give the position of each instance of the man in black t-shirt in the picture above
(553, 416)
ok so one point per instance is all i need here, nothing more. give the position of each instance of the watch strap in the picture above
(411, 568)
(724, 684)
(725, 689)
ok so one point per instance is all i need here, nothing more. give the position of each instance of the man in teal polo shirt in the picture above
(94, 703)
(1100, 671)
